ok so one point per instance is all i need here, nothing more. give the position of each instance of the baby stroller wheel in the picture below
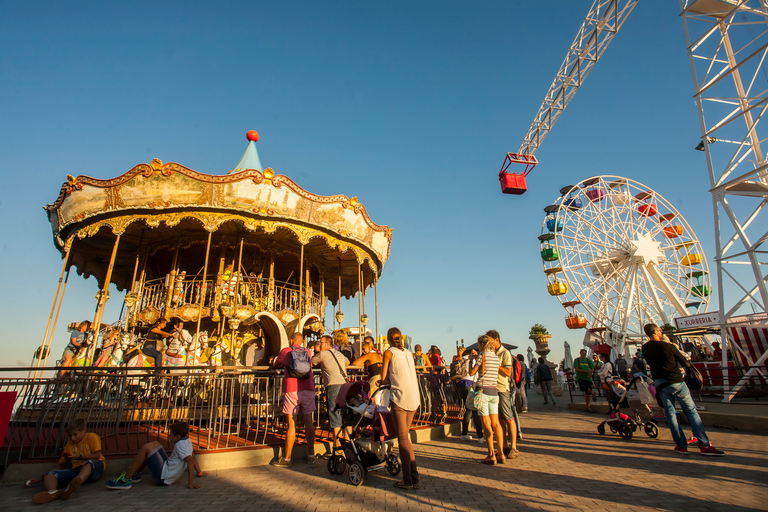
(651, 429)
(613, 429)
(601, 428)
(356, 473)
(393, 464)
(626, 432)
(336, 464)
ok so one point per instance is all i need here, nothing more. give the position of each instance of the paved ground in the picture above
(564, 464)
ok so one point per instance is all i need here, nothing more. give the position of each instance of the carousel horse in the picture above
(195, 348)
(176, 354)
(217, 353)
(115, 356)
(178, 289)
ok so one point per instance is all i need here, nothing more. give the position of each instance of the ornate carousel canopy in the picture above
(161, 213)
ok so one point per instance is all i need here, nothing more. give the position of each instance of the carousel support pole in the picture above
(103, 297)
(321, 312)
(359, 303)
(307, 292)
(133, 281)
(171, 281)
(376, 309)
(237, 297)
(271, 283)
(203, 286)
(47, 345)
(301, 283)
(140, 291)
(55, 298)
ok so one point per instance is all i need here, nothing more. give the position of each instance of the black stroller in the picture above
(366, 439)
(627, 396)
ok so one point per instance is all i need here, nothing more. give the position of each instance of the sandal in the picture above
(490, 460)
(403, 485)
(500, 459)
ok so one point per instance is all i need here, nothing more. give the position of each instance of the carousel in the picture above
(245, 258)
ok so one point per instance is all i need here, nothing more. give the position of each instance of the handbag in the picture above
(693, 378)
(472, 395)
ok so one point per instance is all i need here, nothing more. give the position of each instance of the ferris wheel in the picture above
(623, 253)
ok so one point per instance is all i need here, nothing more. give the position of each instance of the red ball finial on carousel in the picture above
(252, 135)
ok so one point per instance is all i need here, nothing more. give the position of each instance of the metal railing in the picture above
(251, 291)
(230, 407)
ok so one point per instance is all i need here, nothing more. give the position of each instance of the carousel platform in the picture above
(219, 456)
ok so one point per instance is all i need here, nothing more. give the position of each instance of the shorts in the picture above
(505, 406)
(155, 463)
(68, 351)
(299, 402)
(488, 405)
(64, 476)
(585, 385)
(334, 415)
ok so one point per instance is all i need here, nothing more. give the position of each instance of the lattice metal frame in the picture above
(601, 24)
(727, 46)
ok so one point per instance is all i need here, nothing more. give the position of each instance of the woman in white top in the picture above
(606, 368)
(488, 365)
(400, 373)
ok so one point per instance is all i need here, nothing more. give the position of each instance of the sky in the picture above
(410, 106)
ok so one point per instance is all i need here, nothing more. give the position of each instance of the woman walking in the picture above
(400, 373)
(488, 366)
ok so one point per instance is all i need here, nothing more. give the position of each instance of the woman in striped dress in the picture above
(488, 366)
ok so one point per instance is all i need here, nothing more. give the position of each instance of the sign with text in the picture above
(700, 320)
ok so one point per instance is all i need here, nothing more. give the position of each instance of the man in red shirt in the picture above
(298, 401)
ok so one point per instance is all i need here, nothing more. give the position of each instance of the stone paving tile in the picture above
(564, 465)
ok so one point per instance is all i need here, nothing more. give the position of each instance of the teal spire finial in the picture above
(250, 159)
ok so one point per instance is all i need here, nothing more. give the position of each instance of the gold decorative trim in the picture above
(212, 221)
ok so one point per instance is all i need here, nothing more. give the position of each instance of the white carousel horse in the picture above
(115, 357)
(217, 354)
(195, 348)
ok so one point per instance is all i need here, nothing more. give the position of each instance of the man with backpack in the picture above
(521, 393)
(507, 415)
(333, 365)
(584, 368)
(298, 396)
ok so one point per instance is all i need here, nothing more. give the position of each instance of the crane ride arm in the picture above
(601, 24)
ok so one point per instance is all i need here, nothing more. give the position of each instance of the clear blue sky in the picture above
(411, 106)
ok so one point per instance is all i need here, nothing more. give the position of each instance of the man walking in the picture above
(584, 369)
(663, 358)
(333, 365)
(298, 396)
(507, 415)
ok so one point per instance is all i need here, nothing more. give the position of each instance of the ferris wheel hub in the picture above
(646, 250)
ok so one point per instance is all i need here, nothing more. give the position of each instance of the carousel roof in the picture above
(158, 205)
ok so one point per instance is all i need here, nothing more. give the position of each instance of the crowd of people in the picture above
(492, 383)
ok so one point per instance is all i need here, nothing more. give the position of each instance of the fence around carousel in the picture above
(231, 407)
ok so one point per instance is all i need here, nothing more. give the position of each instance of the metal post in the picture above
(203, 286)
(55, 298)
(103, 297)
(301, 282)
(376, 307)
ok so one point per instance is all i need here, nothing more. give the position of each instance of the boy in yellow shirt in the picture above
(80, 462)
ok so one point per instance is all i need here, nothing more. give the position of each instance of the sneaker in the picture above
(136, 478)
(693, 440)
(480, 439)
(120, 482)
(546, 403)
(71, 488)
(680, 449)
(46, 496)
(525, 409)
(282, 463)
(553, 402)
(589, 409)
(311, 459)
(466, 437)
(711, 451)
(519, 436)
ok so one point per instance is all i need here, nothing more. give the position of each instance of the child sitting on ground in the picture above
(80, 462)
(165, 470)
